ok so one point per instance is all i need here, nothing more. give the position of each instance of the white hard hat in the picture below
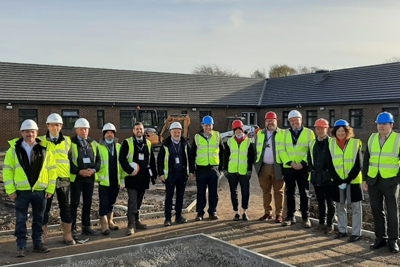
(135, 166)
(29, 125)
(109, 127)
(175, 125)
(54, 118)
(294, 114)
(82, 123)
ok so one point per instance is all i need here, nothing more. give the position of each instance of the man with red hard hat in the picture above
(268, 168)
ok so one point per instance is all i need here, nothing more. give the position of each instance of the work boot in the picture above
(329, 230)
(111, 223)
(41, 249)
(180, 219)
(319, 228)
(68, 239)
(289, 221)
(21, 252)
(74, 232)
(44, 236)
(306, 223)
(104, 225)
(130, 229)
(87, 230)
(139, 224)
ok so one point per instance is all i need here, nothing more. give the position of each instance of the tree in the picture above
(214, 70)
(277, 71)
(303, 69)
(393, 60)
(259, 74)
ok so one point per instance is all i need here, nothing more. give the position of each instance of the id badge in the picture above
(141, 156)
(86, 160)
(177, 160)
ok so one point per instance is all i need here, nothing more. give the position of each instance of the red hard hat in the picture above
(271, 115)
(321, 123)
(237, 124)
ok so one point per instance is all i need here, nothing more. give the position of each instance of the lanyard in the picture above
(110, 150)
(179, 147)
(140, 148)
(84, 146)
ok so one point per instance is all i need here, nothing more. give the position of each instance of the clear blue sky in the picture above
(176, 36)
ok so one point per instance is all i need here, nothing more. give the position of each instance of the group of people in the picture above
(36, 168)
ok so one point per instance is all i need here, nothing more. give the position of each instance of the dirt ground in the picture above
(293, 244)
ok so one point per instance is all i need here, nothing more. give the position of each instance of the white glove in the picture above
(343, 186)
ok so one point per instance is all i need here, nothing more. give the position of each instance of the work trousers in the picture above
(107, 197)
(356, 209)
(299, 177)
(269, 182)
(244, 181)
(207, 179)
(175, 180)
(135, 199)
(324, 198)
(64, 204)
(38, 202)
(380, 196)
(84, 186)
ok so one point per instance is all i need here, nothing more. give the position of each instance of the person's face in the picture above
(176, 134)
(341, 133)
(82, 132)
(271, 124)
(321, 132)
(207, 128)
(138, 131)
(29, 136)
(109, 135)
(384, 128)
(295, 123)
(238, 132)
(54, 128)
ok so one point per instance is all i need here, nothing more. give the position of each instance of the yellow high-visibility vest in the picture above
(103, 176)
(207, 152)
(238, 157)
(75, 158)
(131, 152)
(60, 152)
(166, 162)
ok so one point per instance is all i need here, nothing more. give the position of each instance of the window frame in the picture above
(65, 118)
(312, 117)
(351, 117)
(394, 114)
(100, 119)
(22, 118)
(285, 121)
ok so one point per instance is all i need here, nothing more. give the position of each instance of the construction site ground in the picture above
(293, 244)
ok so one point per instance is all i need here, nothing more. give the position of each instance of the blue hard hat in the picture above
(384, 117)
(339, 123)
(207, 120)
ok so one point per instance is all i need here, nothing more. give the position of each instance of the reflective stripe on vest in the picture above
(344, 161)
(166, 162)
(75, 157)
(103, 176)
(238, 157)
(207, 151)
(60, 152)
(131, 151)
(385, 160)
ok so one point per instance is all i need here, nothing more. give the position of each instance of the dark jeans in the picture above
(38, 202)
(244, 181)
(108, 197)
(63, 197)
(84, 186)
(204, 179)
(324, 197)
(135, 199)
(299, 177)
(175, 180)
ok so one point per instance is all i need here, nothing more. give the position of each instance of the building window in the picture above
(332, 117)
(69, 117)
(184, 112)
(285, 121)
(356, 117)
(161, 117)
(312, 116)
(203, 114)
(28, 114)
(100, 119)
(395, 113)
(127, 119)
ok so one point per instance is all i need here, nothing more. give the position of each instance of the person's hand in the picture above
(134, 173)
(299, 166)
(48, 195)
(90, 172)
(192, 176)
(249, 174)
(13, 196)
(83, 173)
(162, 178)
(226, 174)
(365, 186)
(293, 165)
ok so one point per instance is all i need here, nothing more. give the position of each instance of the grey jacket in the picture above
(258, 164)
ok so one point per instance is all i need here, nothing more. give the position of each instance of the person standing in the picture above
(175, 165)
(238, 164)
(29, 177)
(268, 168)
(292, 151)
(108, 177)
(381, 179)
(319, 165)
(137, 149)
(208, 154)
(85, 162)
(347, 161)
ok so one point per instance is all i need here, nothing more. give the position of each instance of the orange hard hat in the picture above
(321, 123)
(271, 115)
(237, 124)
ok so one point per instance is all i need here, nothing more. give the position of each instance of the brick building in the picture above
(29, 91)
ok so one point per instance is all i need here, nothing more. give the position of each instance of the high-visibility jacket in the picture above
(260, 144)
(293, 153)
(344, 161)
(131, 152)
(74, 153)
(385, 160)
(60, 152)
(207, 151)
(238, 157)
(166, 161)
(15, 178)
(103, 176)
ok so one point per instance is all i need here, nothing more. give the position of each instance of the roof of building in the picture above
(369, 84)
(33, 83)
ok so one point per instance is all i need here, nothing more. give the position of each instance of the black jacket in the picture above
(322, 165)
(221, 154)
(95, 162)
(141, 180)
(250, 157)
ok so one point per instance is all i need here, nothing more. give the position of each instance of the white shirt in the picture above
(28, 149)
(268, 153)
